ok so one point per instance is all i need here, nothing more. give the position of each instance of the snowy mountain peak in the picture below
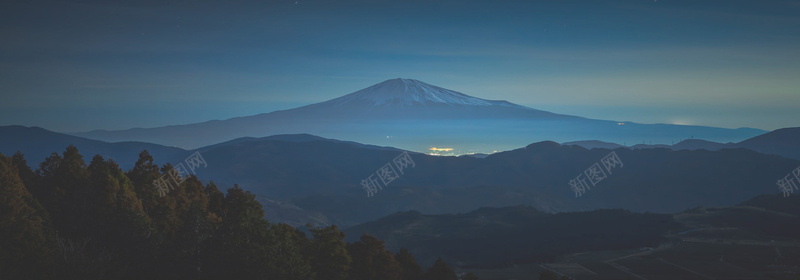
(406, 92)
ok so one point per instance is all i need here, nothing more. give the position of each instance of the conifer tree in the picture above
(142, 175)
(25, 172)
(116, 217)
(240, 247)
(440, 271)
(286, 258)
(185, 252)
(64, 191)
(409, 268)
(328, 254)
(371, 260)
(26, 236)
(216, 200)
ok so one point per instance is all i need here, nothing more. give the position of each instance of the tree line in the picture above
(70, 220)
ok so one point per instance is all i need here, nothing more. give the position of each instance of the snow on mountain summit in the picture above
(407, 92)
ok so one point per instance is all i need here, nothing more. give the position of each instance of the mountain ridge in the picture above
(494, 237)
(784, 142)
(37, 143)
(409, 92)
(414, 115)
(412, 99)
(323, 175)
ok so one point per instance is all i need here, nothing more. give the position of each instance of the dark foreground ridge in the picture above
(70, 220)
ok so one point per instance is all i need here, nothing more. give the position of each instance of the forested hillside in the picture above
(70, 220)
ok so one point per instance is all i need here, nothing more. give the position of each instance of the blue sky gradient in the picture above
(81, 65)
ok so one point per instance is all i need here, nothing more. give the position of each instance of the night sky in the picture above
(74, 66)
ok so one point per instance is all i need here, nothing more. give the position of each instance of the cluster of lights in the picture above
(440, 151)
(448, 152)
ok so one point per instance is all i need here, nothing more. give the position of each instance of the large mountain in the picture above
(412, 99)
(413, 115)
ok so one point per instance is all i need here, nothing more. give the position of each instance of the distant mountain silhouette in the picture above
(325, 176)
(765, 218)
(298, 138)
(414, 115)
(320, 179)
(491, 237)
(783, 142)
(37, 144)
(593, 144)
(698, 144)
(497, 237)
(304, 178)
